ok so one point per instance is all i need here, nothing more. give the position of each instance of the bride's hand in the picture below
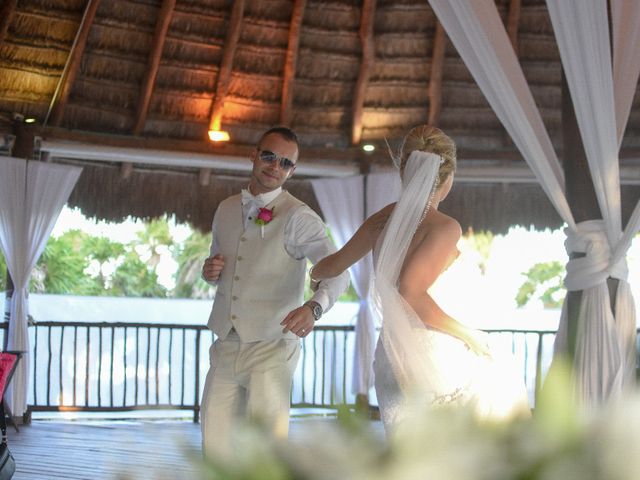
(478, 342)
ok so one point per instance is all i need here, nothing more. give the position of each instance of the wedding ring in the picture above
(303, 330)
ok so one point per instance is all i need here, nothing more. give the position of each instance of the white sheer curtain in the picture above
(383, 188)
(31, 197)
(603, 360)
(582, 33)
(342, 203)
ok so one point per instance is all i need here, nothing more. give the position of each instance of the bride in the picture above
(423, 354)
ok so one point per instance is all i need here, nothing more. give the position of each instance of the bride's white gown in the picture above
(493, 384)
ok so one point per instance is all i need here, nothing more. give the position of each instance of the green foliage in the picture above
(61, 267)
(3, 272)
(544, 282)
(80, 264)
(190, 255)
(135, 278)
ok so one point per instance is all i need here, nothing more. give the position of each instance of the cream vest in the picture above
(260, 283)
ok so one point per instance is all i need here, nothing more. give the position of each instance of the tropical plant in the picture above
(3, 271)
(61, 267)
(154, 236)
(135, 278)
(544, 281)
(190, 255)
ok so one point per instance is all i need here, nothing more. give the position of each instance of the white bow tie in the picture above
(250, 200)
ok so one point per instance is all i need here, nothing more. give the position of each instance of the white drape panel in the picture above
(478, 33)
(383, 188)
(31, 197)
(625, 21)
(342, 203)
(476, 30)
(582, 33)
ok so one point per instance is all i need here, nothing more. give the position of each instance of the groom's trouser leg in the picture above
(269, 388)
(247, 377)
(223, 399)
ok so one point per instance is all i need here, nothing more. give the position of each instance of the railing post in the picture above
(538, 367)
(196, 400)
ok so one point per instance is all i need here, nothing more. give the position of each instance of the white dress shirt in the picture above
(305, 236)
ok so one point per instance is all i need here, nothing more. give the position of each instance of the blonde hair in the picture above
(427, 138)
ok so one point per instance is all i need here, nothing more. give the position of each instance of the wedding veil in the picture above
(408, 355)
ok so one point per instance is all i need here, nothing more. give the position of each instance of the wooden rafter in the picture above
(6, 15)
(368, 56)
(435, 76)
(61, 95)
(224, 74)
(512, 23)
(291, 62)
(162, 26)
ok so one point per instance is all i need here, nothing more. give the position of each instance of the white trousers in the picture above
(246, 380)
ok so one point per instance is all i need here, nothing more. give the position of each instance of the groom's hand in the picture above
(299, 321)
(212, 268)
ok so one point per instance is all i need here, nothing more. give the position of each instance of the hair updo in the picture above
(431, 140)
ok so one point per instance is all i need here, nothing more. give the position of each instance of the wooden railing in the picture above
(102, 366)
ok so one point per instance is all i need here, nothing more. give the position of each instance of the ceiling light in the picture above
(368, 147)
(30, 120)
(219, 136)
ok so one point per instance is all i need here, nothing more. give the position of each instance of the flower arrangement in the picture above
(561, 441)
(265, 215)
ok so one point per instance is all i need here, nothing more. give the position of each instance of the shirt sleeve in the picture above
(214, 249)
(306, 237)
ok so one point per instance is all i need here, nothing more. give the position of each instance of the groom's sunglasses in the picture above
(267, 156)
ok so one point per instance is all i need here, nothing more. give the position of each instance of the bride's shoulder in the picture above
(442, 224)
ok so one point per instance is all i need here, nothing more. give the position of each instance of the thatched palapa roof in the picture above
(155, 74)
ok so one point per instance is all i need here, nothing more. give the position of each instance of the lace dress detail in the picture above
(492, 384)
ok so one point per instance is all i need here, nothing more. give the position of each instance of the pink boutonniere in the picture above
(265, 215)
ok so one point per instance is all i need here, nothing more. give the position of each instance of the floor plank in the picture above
(120, 450)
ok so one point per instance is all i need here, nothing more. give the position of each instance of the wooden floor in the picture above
(122, 450)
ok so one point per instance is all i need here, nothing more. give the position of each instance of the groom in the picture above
(261, 240)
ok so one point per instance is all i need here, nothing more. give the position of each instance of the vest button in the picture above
(233, 317)
(234, 298)
(239, 257)
(236, 277)
(243, 239)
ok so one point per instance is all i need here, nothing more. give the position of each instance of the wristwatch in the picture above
(316, 309)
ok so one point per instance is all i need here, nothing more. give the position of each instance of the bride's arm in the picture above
(357, 247)
(422, 269)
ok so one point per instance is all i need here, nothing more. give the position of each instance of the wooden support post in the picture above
(6, 16)
(153, 64)
(581, 197)
(435, 77)
(126, 169)
(291, 62)
(226, 65)
(61, 95)
(368, 55)
(204, 177)
(512, 23)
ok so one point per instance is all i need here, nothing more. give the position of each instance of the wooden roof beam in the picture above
(435, 76)
(512, 23)
(162, 26)
(291, 62)
(6, 16)
(226, 65)
(368, 56)
(70, 72)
